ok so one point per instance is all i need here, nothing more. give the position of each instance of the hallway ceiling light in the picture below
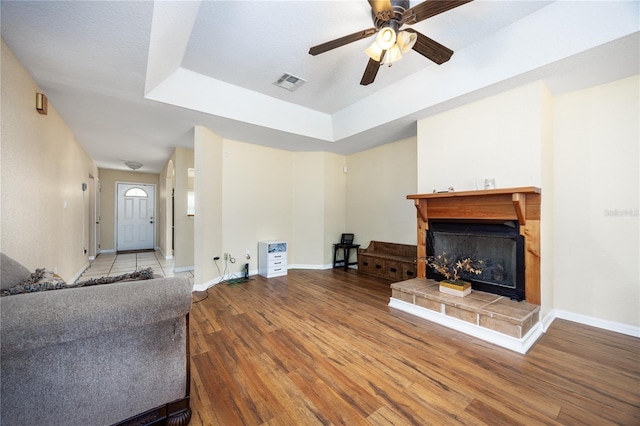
(133, 165)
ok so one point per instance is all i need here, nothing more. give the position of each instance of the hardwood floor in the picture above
(323, 347)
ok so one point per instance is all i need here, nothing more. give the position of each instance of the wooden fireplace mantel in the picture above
(521, 204)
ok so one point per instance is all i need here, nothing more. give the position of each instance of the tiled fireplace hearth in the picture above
(490, 317)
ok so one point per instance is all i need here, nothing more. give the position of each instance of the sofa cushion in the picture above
(42, 280)
(12, 273)
(34, 320)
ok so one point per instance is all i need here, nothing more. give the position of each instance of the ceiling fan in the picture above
(391, 41)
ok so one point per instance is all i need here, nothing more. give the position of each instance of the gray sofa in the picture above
(105, 354)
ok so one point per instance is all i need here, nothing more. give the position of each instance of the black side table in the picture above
(346, 252)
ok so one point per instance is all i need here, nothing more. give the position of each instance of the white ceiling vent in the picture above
(289, 82)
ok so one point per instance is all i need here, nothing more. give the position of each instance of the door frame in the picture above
(155, 211)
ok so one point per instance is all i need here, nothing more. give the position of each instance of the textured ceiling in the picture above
(131, 79)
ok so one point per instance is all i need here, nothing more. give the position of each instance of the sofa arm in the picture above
(35, 320)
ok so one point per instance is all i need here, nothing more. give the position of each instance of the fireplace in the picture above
(512, 212)
(498, 245)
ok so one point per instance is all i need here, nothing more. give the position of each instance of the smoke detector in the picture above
(289, 82)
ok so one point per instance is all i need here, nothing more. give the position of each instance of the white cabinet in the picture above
(272, 258)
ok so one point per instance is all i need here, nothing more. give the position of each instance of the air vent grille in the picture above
(289, 82)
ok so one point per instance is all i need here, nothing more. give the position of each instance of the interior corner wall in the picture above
(378, 182)
(43, 208)
(596, 221)
(318, 207)
(335, 193)
(308, 171)
(208, 203)
(163, 217)
(183, 260)
(546, 209)
(108, 180)
(257, 191)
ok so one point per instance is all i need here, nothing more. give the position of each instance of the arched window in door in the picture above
(136, 192)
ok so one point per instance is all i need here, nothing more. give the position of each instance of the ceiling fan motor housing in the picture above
(399, 6)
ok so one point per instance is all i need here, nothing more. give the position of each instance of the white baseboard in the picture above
(617, 327)
(205, 286)
(517, 345)
(183, 269)
(166, 257)
(314, 267)
(79, 274)
(218, 280)
(107, 251)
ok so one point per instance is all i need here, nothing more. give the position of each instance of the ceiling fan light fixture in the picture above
(406, 40)
(392, 55)
(386, 38)
(374, 51)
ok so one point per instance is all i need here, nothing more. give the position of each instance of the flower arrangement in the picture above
(452, 266)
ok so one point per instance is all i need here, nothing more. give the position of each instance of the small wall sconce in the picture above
(41, 103)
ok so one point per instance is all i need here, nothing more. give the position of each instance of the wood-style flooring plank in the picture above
(323, 347)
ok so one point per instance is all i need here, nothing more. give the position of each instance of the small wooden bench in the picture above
(392, 261)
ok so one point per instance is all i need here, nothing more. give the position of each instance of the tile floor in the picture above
(112, 264)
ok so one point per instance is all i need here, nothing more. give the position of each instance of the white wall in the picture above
(378, 182)
(596, 179)
(44, 212)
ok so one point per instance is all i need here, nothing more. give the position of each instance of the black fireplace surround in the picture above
(498, 244)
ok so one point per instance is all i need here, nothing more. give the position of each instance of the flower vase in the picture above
(461, 290)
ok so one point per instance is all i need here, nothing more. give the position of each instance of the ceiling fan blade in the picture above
(429, 8)
(382, 9)
(430, 48)
(324, 47)
(371, 71)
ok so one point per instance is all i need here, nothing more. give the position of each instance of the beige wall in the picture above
(164, 201)
(596, 232)
(208, 199)
(501, 137)
(498, 137)
(247, 193)
(335, 208)
(44, 211)
(182, 159)
(378, 182)
(319, 185)
(108, 180)
(582, 149)
(256, 200)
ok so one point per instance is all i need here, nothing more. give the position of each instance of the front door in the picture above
(135, 216)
